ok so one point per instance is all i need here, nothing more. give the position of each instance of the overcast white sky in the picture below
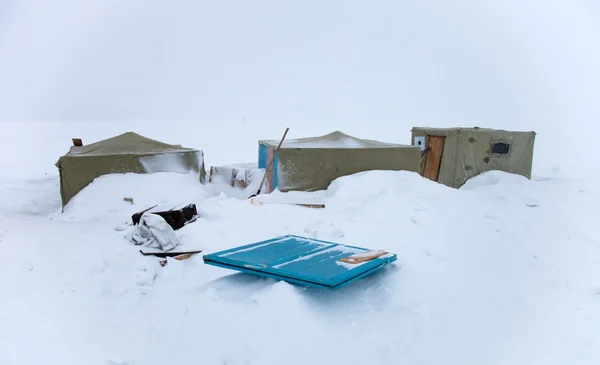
(386, 65)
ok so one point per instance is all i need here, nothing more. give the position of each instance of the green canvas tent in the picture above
(451, 156)
(128, 152)
(311, 164)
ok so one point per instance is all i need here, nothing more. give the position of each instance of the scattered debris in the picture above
(308, 205)
(270, 166)
(167, 254)
(154, 231)
(179, 258)
(236, 175)
(176, 216)
(363, 257)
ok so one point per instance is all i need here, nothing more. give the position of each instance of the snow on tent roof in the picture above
(335, 139)
(129, 143)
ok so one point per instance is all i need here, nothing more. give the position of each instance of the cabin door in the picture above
(434, 157)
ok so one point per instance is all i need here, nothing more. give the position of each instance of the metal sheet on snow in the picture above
(299, 260)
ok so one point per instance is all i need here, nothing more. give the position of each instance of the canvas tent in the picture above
(311, 164)
(451, 156)
(128, 152)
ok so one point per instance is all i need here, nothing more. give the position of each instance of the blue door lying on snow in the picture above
(303, 261)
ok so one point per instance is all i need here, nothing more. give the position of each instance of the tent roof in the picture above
(335, 139)
(129, 143)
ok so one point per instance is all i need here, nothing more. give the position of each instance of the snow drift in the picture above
(105, 195)
(483, 276)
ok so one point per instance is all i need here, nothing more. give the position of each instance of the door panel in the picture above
(434, 157)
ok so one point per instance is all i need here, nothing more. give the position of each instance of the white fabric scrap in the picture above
(153, 231)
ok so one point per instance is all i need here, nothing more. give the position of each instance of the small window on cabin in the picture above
(500, 148)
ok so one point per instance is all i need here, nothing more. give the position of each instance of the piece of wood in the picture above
(169, 253)
(270, 174)
(434, 157)
(222, 172)
(312, 205)
(270, 165)
(210, 174)
(363, 257)
(77, 142)
(179, 258)
(239, 184)
(307, 205)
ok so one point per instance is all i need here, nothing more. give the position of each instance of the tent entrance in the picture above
(434, 157)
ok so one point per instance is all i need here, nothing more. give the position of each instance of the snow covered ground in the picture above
(502, 271)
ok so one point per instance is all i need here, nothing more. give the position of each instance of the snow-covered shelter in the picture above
(311, 164)
(128, 152)
(451, 156)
